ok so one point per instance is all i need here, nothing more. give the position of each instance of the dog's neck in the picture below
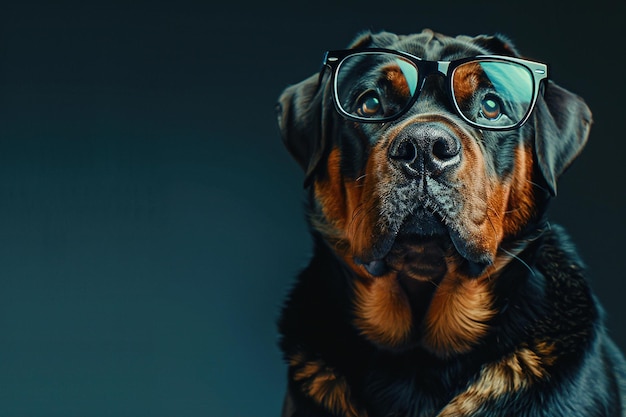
(448, 316)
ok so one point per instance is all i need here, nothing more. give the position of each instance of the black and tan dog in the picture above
(437, 287)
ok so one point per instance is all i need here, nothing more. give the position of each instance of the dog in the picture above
(437, 287)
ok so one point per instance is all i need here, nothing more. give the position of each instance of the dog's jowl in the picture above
(437, 286)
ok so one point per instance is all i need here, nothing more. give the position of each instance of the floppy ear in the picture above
(562, 120)
(562, 124)
(302, 122)
(306, 113)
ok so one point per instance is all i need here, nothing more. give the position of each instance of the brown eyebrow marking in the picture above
(466, 80)
(396, 81)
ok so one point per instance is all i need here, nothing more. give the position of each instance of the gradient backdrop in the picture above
(150, 220)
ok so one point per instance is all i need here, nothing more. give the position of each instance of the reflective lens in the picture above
(488, 92)
(375, 85)
(493, 94)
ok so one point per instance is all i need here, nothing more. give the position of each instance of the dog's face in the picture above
(426, 209)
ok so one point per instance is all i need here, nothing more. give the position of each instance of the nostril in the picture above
(445, 148)
(404, 151)
(425, 149)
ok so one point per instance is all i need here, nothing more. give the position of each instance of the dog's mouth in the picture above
(424, 250)
(417, 256)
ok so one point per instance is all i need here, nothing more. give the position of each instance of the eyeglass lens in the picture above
(490, 93)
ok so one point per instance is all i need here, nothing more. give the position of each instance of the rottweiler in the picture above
(437, 287)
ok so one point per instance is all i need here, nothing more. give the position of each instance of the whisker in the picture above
(357, 211)
(492, 225)
(359, 215)
(495, 212)
(514, 256)
(537, 185)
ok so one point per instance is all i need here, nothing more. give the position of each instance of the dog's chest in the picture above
(409, 389)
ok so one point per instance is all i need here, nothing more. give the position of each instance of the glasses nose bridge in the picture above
(437, 68)
(428, 69)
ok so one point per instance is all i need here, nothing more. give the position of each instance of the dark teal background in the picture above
(151, 221)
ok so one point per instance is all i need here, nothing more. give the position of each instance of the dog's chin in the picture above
(416, 256)
(424, 254)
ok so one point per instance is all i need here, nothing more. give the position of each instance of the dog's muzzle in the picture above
(421, 202)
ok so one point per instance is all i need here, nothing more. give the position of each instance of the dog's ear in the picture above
(306, 114)
(562, 119)
(562, 123)
(301, 121)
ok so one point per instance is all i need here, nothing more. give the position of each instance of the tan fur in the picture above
(520, 204)
(458, 315)
(383, 312)
(394, 74)
(362, 229)
(467, 77)
(324, 386)
(331, 193)
(346, 221)
(513, 373)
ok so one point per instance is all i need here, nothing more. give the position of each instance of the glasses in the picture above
(488, 92)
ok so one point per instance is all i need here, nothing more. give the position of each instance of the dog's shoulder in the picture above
(317, 310)
(579, 365)
(570, 313)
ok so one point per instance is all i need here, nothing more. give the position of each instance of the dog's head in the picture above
(427, 207)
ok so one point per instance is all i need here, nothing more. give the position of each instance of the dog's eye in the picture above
(490, 107)
(368, 104)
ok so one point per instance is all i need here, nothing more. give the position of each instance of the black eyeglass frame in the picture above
(334, 59)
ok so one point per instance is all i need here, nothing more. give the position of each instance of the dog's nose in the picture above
(422, 148)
